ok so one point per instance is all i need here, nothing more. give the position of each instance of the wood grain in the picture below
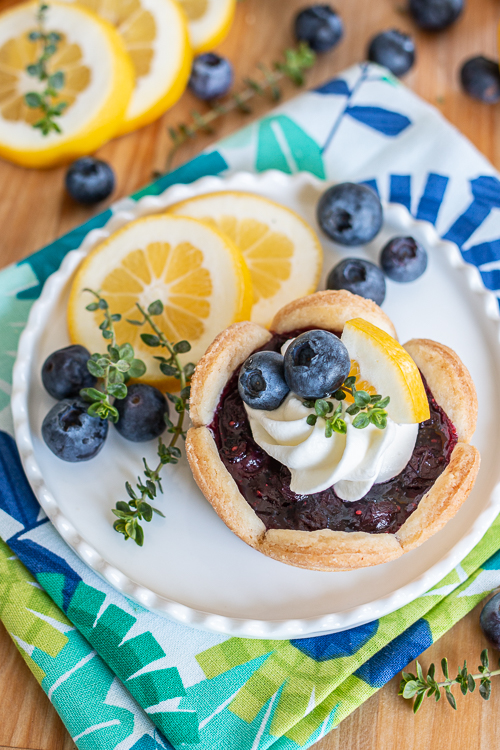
(34, 210)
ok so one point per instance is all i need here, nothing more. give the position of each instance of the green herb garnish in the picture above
(296, 61)
(54, 82)
(366, 409)
(418, 687)
(138, 507)
(113, 368)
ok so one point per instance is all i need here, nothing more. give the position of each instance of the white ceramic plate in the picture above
(192, 568)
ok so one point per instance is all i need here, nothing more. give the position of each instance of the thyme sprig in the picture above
(293, 66)
(113, 368)
(54, 82)
(138, 507)
(366, 409)
(419, 686)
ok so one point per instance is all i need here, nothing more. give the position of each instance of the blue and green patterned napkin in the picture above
(122, 677)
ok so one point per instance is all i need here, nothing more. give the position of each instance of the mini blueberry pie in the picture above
(323, 443)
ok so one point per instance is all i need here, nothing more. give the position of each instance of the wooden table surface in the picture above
(34, 210)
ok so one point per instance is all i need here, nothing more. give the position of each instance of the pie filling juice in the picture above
(265, 483)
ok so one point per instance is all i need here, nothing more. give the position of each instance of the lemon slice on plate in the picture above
(98, 83)
(196, 271)
(209, 21)
(282, 252)
(156, 37)
(381, 365)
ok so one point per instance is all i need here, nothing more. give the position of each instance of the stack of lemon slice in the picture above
(123, 62)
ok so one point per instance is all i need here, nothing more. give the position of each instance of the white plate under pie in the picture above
(192, 568)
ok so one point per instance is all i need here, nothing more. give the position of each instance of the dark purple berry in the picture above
(261, 382)
(403, 259)
(394, 50)
(316, 364)
(480, 79)
(141, 413)
(350, 214)
(71, 434)
(211, 76)
(490, 620)
(89, 180)
(320, 26)
(65, 373)
(435, 15)
(359, 277)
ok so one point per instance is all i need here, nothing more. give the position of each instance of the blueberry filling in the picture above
(265, 483)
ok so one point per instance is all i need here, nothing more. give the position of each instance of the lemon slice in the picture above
(98, 82)
(155, 35)
(282, 252)
(197, 273)
(383, 366)
(208, 21)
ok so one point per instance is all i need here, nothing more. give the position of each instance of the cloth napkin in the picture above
(122, 677)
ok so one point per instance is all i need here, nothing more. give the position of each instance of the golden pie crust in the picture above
(451, 386)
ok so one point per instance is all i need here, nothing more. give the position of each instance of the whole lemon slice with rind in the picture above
(208, 21)
(382, 366)
(98, 83)
(282, 252)
(196, 272)
(155, 35)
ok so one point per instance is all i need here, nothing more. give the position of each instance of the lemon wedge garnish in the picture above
(382, 366)
(208, 21)
(197, 273)
(283, 254)
(98, 83)
(156, 37)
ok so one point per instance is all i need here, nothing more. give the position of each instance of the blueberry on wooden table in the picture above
(261, 382)
(320, 26)
(71, 433)
(65, 373)
(490, 620)
(350, 214)
(360, 277)
(480, 78)
(394, 50)
(89, 180)
(403, 259)
(435, 15)
(316, 364)
(141, 413)
(211, 76)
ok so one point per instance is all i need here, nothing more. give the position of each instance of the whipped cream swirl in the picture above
(350, 463)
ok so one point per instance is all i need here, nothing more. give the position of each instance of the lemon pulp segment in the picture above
(384, 364)
(196, 272)
(97, 87)
(283, 254)
(209, 21)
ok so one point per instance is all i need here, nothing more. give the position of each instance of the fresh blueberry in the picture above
(490, 620)
(320, 26)
(261, 383)
(65, 373)
(316, 364)
(480, 79)
(89, 180)
(403, 259)
(435, 15)
(394, 50)
(211, 76)
(359, 277)
(141, 413)
(350, 214)
(71, 434)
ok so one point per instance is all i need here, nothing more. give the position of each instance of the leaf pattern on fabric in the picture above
(282, 144)
(382, 120)
(336, 86)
